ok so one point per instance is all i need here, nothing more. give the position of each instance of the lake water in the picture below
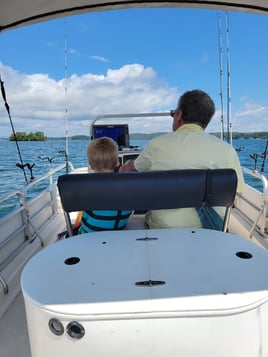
(12, 177)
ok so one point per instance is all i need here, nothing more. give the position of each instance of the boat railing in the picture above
(9, 195)
(22, 224)
(49, 175)
(31, 220)
(114, 117)
(259, 176)
(21, 195)
(254, 203)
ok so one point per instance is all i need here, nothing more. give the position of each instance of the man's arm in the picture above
(128, 167)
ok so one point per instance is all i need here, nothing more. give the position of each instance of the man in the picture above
(187, 147)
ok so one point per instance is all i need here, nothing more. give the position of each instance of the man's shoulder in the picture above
(163, 137)
(216, 139)
(217, 142)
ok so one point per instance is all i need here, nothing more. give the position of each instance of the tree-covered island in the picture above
(22, 136)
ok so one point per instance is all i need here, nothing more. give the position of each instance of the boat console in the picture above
(119, 133)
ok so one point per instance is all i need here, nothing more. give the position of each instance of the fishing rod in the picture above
(220, 63)
(264, 155)
(21, 165)
(229, 121)
(66, 98)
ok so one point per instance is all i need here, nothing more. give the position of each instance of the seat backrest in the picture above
(221, 187)
(147, 190)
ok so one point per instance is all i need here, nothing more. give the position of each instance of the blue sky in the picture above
(132, 61)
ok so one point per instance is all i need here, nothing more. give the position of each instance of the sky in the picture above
(59, 75)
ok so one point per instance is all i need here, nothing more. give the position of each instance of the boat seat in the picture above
(152, 190)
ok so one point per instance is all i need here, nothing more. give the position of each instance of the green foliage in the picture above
(235, 135)
(80, 137)
(22, 136)
(252, 135)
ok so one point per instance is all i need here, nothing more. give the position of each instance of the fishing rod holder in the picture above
(64, 152)
(29, 167)
(255, 157)
(49, 159)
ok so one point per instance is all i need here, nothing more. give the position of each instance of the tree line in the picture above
(32, 136)
(39, 136)
(235, 135)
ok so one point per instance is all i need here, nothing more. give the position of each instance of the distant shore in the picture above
(143, 136)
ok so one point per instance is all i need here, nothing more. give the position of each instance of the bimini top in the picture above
(16, 13)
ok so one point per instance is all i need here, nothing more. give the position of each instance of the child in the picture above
(102, 154)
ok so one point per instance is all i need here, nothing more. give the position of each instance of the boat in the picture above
(144, 318)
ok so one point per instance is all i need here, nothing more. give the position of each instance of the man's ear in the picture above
(179, 118)
(177, 121)
(90, 164)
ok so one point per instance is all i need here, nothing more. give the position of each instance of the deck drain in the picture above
(72, 260)
(244, 255)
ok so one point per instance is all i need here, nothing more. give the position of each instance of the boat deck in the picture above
(14, 340)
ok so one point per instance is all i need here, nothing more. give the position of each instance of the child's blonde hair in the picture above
(102, 154)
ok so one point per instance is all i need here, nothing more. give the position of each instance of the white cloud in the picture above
(37, 102)
(215, 123)
(50, 44)
(249, 118)
(74, 52)
(204, 57)
(99, 58)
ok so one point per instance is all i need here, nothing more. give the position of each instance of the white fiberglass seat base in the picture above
(188, 292)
